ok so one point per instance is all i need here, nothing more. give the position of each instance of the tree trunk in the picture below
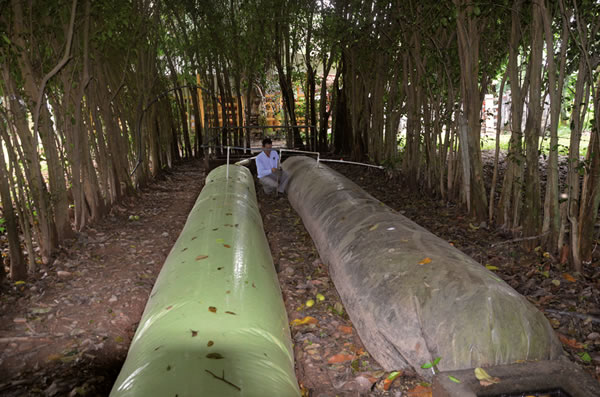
(552, 213)
(532, 209)
(18, 270)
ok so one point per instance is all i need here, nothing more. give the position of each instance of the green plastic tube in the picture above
(215, 323)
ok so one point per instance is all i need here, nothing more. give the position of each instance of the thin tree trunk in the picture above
(497, 152)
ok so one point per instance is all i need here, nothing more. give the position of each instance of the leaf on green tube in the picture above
(226, 245)
(194, 333)
(215, 356)
(201, 257)
(425, 261)
(232, 313)
(210, 343)
(212, 309)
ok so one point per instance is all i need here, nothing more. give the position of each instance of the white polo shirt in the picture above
(264, 164)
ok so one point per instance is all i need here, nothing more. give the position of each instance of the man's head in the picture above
(267, 145)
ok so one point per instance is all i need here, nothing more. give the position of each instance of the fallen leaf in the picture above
(226, 245)
(427, 365)
(339, 309)
(305, 320)
(53, 357)
(374, 227)
(340, 358)
(473, 227)
(453, 379)
(585, 357)
(20, 282)
(232, 313)
(419, 391)
(491, 267)
(425, 261)
(345, 329)
(484, 378)
(40, 310)
(569, 278)
(200, 257)
(387, 383)
(556, 283)
(570, 342)
(215, 356)
(212, 309)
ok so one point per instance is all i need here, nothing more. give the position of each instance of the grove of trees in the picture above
(78, 77)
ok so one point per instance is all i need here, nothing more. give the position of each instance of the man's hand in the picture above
(273, 170)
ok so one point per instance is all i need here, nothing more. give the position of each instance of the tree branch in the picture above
(66, 57)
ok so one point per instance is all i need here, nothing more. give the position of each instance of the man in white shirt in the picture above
(270, 175)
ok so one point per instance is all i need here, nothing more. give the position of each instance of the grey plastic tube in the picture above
(408, 310)
(215, 323)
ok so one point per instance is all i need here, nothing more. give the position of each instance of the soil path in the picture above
(67, 333)
(330, 357)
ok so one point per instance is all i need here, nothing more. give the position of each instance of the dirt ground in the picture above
(66, 333)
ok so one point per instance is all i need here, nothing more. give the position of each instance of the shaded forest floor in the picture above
(68, 333)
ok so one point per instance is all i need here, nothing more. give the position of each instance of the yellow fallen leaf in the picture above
(473, 227)
(425, 261)
(375, 226)
(491, 267)
(484, 378)
(305, 320)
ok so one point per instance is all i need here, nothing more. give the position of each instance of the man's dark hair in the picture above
(267, 141)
